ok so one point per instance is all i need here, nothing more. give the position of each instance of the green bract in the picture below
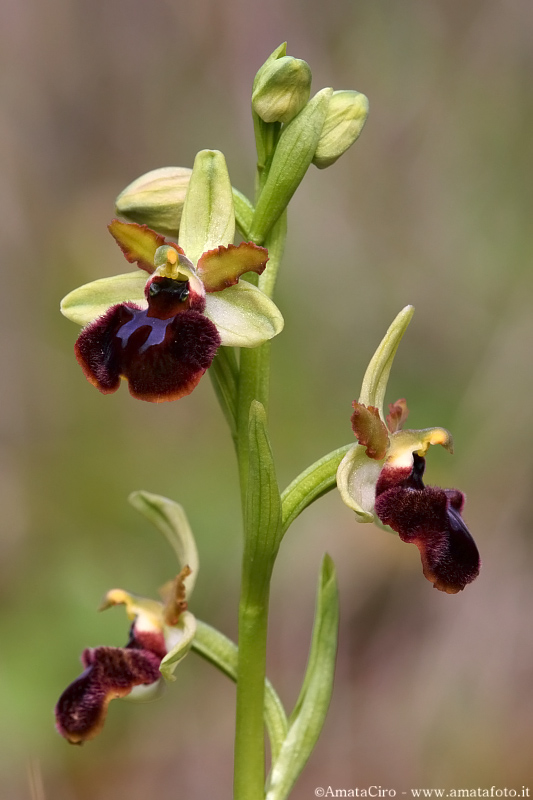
(293, 155)
(309, 714)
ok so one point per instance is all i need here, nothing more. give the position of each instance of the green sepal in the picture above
(179, 638)
(244, 315)
(357, 476)
(309, 714)
(294, 152)
(208, 218)
(347, 114)
(170, 518)
(377, 373)
(262, 514)
(156, 199)
(224, 655)
(87, 302)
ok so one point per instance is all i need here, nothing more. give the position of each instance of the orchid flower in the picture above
(380, 477)
(160, 636)
(161, 334)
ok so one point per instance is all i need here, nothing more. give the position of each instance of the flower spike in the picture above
(380, 478)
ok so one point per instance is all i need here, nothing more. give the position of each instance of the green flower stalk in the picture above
(195, 302)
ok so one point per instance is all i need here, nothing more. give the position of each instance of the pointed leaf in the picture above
(244, 315)
(208, 218)
(137, 242)
(262, 518)
(169, 517)
(356, 478)
(377, 373)
(223, 266)
(307, 719)
(87, 302)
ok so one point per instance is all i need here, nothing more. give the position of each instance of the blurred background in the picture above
(432, 206)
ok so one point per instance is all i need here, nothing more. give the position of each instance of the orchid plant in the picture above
(196, 301)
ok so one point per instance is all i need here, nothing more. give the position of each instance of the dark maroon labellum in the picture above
(110, 672)
(163, 350)
(430, 518)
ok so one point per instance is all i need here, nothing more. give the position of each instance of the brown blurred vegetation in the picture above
(432, 206)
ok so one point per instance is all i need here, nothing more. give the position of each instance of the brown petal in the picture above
(223, 266)
(370, 430)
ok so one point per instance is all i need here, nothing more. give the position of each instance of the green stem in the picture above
(223, 654)
(254, 384)
(262, 530)
(261, 541)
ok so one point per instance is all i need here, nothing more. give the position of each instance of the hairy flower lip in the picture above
(163, 359)
(430, 518)
(380, 478)
(109, 673)
(160, 636)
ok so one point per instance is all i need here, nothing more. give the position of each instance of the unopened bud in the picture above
(156, 199)
(347, 113)
(293, 155)
(281, 89)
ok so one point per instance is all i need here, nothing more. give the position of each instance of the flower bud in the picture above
(156, 199)
(296, 147)
(281, 89)
(347, 113)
